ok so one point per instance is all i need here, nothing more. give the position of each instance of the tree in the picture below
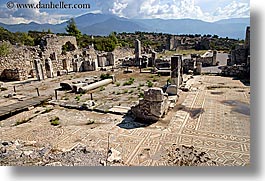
(49, 31)
(25, 38)
(4, 49)
(215, 36)
(72, 29)
(113, 37)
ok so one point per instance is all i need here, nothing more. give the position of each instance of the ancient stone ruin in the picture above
(137, 50)
(52, 44)
(153, 106)
(176, 75)
(239, 62)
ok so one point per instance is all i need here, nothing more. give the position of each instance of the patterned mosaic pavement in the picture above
(214, 118)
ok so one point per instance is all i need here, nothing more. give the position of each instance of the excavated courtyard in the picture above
(213, 116)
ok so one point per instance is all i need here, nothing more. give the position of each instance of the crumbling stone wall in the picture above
(239, 60)
(239, 55)
(185, 43)
(14, 74)
(206, 61)
(106, 59)
(53, 44)
(241, 52)
(241, 71)
(18, 64)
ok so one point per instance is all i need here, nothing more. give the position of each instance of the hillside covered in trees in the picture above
(156, 41)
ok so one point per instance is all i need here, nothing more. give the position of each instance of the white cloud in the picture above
(233, 10)
(27, 15)
(166, 9)
(174, 9)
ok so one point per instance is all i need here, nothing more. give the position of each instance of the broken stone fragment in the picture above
(154, 95)
(114, 156)
(54, 164)
(172, 90)
(153, 106)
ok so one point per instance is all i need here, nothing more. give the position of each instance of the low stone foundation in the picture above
(14, 75)
(241, 71)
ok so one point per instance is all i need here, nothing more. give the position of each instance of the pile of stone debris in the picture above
(21, 153)
(187, 156)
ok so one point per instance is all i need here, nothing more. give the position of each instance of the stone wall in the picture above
(106, 59)
(19, 63)
(239, 55)
(206, 61)
(14, 74)
(185, 43)
(53, 44)
(241, 52)
(241, 71)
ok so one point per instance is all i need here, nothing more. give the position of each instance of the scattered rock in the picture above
(18, 154)
(54, 164)
(114, 156)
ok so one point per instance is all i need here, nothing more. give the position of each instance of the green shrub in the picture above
(105, 76)
(149, 83)
(4, 49)
(55, 121)
(78, 98)
(141, 95)
(129, 82)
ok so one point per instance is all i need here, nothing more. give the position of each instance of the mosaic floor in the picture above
(214, 118)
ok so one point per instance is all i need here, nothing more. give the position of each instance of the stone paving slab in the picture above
(20, 106)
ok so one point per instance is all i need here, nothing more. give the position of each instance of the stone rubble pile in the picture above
(21, 153)
(236, 70)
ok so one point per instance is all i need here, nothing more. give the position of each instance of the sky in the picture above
(206, 10)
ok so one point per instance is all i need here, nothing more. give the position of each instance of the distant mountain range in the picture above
(102, 24)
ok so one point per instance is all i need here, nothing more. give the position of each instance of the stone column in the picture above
(137, 51)
(95, 65)
(176, 70)
(175, 73)
(49, 68)
(247, 40)
(154, 57)
(39, 69)
(214, 58)
(199, 68)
